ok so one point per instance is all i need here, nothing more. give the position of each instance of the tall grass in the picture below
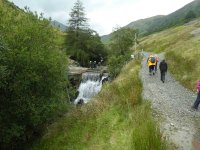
(116, 119)
(164, 41)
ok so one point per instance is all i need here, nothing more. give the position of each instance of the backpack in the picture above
(152, 59)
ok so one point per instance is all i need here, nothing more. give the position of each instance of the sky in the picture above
(104, 15)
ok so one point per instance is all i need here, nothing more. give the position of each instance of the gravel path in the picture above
(171, 103)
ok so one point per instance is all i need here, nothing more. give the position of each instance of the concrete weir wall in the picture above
(75, 73)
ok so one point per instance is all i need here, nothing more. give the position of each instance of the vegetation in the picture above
(182, 47)
(32, 76)
(189, 16)
(120, 49)
(83, 44)
(116, 119)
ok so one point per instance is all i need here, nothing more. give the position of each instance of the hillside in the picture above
(178, 17)
(142, 25)
(59, 25)
(157, 23)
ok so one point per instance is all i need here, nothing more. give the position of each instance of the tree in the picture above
(121, 41)
(189, 16)
(77, 25)
(83, 44)
(78, 19)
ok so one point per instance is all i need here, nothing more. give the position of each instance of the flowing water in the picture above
(90, 86)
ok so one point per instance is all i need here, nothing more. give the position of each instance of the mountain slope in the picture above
(158, 23)
(144, 24)
(59, 25)
(176, 18)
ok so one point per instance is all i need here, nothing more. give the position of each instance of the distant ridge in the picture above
(59, 25)
(158, 23)
(144, 24)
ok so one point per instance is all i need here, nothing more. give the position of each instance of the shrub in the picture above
(32, 77)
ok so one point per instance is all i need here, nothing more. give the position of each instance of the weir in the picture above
(90, 86)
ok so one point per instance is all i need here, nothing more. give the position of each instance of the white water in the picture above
(90, 86)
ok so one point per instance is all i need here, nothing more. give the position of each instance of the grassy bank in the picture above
(116, 119)
(182, 47)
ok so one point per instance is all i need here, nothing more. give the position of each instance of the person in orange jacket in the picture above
(151, 61)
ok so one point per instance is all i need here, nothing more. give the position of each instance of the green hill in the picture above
(144, 24)
(181, 16)
(158, 23)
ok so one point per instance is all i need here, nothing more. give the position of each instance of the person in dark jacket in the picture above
(163, 70)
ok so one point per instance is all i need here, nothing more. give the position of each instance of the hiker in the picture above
(163, 70)
(156, 66)
(151, 61)
(197, 101)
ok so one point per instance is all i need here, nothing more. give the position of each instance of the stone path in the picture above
(171, 103)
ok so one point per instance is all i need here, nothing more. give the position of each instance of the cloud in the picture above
(104, 14)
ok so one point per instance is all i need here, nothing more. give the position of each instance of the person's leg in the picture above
(162, 76)
(150, 70)
(197, 101)
(153, 69)
(156, 66)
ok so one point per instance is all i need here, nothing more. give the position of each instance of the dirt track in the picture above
(171, 105)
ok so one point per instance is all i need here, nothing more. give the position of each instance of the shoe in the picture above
(193, 109)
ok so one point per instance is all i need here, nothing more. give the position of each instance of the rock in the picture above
(80, 102)
(171, 124)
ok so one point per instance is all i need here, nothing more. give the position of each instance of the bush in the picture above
(32, 77)
(116, 63)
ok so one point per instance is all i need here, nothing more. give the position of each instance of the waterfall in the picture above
(91, 85)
